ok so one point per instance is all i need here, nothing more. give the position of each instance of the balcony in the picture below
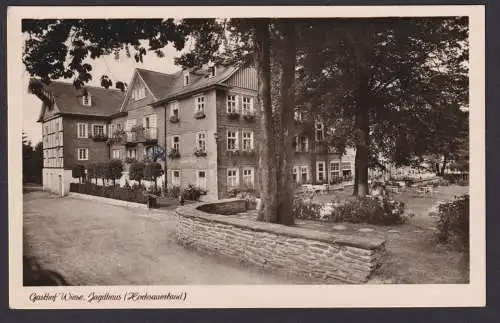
(130, 138)
(150, 136)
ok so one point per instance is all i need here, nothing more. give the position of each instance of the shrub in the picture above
(152, 171)
(114, 170)
(305, 210)
(136, 171)
(154, 190)
(380, 211)
(173, 192)
(453, 223)
(78, 171)
(114, 192)
(92, 172)
(192, 193)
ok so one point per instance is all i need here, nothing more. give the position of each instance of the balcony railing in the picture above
(150, 134)
(131, 136)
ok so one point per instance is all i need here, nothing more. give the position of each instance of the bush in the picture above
(380, 211)
(114, 170)
(370, 210)
(115, 192)
(453, 223)
(136, 171)
(152, 171)
(78, 171)
(192, 193)
(154, 190)
(305, 210)
(173, 192)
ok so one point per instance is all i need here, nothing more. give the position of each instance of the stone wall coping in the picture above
(106, 200)
(294, 232)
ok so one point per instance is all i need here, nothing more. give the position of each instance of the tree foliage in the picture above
(152, 171)
(136, 171)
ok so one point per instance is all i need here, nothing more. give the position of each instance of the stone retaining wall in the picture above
(107, 200)
(291, 250)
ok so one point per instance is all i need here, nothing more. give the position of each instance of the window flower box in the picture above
(249, 117)
(174, 119)
(233, 115)
(199, 115)
(233, 152)
(174, 154)
(100, 138)
(200, 153)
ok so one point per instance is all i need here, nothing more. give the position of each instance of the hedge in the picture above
(129, 194)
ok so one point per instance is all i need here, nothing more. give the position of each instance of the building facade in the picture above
(201, 125)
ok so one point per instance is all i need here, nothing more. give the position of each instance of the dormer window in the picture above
(211, 69)
(186, 78)
(86, 99)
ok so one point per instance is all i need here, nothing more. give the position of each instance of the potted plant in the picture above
(200, 153)
(174, 119)
(100, 137)
(233, 115)
(250, 117)
(174, 153)
(199, 115)
(137, 128)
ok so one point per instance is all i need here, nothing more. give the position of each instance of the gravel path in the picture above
(98, 244)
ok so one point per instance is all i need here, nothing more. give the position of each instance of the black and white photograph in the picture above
(187, 151)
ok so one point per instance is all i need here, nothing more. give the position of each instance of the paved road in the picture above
(98, 244)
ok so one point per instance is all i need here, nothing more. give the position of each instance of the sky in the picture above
(117, 70)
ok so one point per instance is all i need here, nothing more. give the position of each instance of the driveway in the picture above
(97, 244)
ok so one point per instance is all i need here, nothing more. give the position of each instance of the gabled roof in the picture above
(105, 102)
(166, 86)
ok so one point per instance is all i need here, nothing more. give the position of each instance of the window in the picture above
(186, 78)
(247, 140)
(116, 154)
(174, 110)
(346, 169)
(320, 171)
(176, 142)
(304, 174)
(82, 130)
(83, 154)
(86, 100)
(334, 170)
(176, 178)
(200, 104)
(57, 125)
(139, 92)
(304, 144)
(320, 134)
(98, 130)
(295, 172)
(132, 153)
(201, 141)
(247, 105)
(248, 177)
(211, 71)
(232, 178)
(232, 140)
(232, 104)
(298, 115)
(201, 179)
(130, 123)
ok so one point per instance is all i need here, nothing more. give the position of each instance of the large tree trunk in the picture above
(267, 156)
(286, 109)
(362, 146)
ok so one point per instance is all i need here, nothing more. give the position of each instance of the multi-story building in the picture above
(73, 129)
(201, 124)
(315, 161)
